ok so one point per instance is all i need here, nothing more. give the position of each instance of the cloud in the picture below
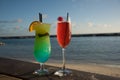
(44, 16)
(76, 25)
(19, 20)
(16, 28)
(106, 25)
(103, 25)
(90, 24)
(53, 28)
(11, 21)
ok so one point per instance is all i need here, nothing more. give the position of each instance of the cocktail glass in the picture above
(42, 46)
(63, 38)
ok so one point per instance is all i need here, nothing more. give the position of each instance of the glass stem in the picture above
(41, 66)
(63, 53)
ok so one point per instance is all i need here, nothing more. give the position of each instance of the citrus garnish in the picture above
(33, 25)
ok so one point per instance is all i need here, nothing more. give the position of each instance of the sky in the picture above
(87, 16)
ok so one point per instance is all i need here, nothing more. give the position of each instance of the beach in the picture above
(92, 68)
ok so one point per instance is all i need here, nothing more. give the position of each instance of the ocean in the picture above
(92, 50)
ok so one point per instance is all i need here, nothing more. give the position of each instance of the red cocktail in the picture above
(63, 33)
(63, 38)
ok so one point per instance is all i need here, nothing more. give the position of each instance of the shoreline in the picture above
(73, 35)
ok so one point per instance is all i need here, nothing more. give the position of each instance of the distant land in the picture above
(73, 35)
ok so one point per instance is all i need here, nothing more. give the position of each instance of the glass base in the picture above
(41, 72)
(63, 72)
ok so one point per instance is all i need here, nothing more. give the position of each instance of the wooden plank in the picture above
(24, 70)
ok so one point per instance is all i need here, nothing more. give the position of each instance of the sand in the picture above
(93, 68)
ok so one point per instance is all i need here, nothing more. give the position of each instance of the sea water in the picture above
(96, 50)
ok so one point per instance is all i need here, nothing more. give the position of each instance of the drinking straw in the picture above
(67, 16)
(40, 17)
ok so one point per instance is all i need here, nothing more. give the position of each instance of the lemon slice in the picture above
(33, 25)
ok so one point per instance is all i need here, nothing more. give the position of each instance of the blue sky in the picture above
(87, 16)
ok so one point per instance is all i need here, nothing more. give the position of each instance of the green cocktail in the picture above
(42, 46)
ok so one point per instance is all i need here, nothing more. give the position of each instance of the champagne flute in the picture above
(42, 46)
(63, 38)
